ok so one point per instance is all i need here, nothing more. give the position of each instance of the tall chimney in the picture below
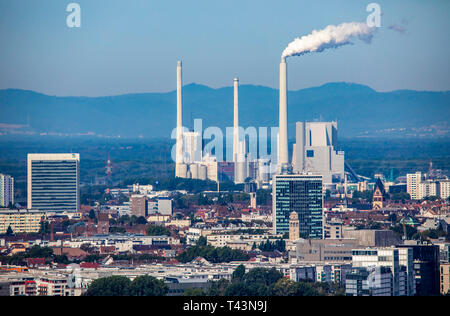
(179, 145)
(283, 159)
(236, 120)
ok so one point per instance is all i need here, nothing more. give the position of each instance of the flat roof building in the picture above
(6, 190)
(300, 193)
(21, 221)
(53, 182)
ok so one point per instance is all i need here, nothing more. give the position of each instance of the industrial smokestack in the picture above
(179, 146)
(330, 37)
(236, 120)
(283, 159)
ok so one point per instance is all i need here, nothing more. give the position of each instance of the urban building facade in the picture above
(20, 221)
(53, 182)
(412, 184)
(139, 205)
(6, 190)
(316, 150)
(300, 193)
(426, 268)
(399, 261)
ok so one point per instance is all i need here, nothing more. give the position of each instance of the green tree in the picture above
(61, 259)
(285, 287)
(141, 220)
(194, 292)
(239, 273)
(218, 288)
(92, 258)
(115, 230)
(202, 241)
(44, 228)
(40, 252)
(92, 214)
(9, 231)
(109, 286)
(147, 286)
(155, 230)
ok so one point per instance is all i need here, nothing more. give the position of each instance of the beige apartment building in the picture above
(445, 278)
(21, 221)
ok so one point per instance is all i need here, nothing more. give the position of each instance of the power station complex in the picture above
(315, 150)
(297, 184)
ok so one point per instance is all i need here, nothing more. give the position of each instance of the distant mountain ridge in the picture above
(359, 110)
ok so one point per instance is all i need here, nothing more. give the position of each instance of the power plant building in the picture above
(315, 150)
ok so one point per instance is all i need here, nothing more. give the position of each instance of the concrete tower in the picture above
(236, 120)
(294, 227)
(180, 169)
(283, 159)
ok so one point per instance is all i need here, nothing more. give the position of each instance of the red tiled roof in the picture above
(89, 265)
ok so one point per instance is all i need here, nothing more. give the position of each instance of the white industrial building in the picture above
(316, 150)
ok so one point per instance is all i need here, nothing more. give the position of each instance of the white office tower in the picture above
(316, 153)
(180, 167)
(53, 182)
(6, 190)
(413, 181)
(283, 159)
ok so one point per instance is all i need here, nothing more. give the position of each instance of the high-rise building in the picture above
(399, 260)
(316, 150)
(139, 205)
(412, 184)
(444, 189)
(53, 182)
(301, 193)
(427, 189)
(6, 190)
(426, 268)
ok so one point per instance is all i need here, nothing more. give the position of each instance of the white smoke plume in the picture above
(330, 37)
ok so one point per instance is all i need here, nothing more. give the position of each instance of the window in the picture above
(310, 153)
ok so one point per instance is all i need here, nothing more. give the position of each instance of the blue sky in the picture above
(133, 46)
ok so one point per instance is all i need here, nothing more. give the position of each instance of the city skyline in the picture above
(288, 171)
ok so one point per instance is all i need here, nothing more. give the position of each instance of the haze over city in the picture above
(129, 47)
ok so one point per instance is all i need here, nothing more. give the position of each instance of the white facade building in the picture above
(6, 190)
(316, 150)
(412, 184)
(53, 182)
(444, 189)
